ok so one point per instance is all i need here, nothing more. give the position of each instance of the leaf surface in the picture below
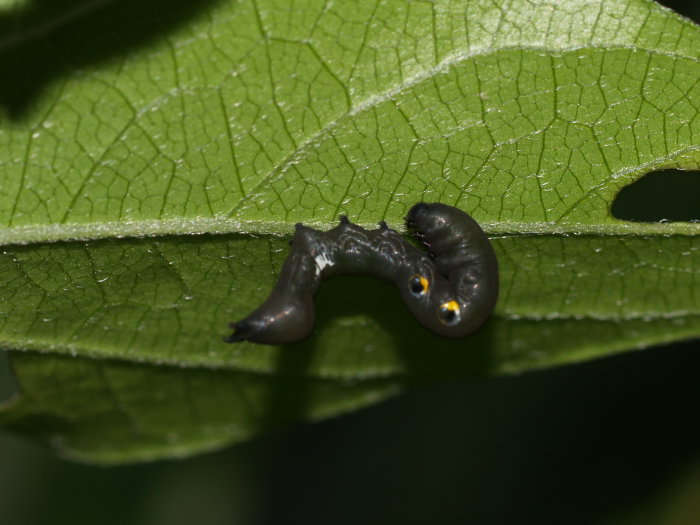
(150, 185)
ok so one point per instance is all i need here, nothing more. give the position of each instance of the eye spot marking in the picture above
(449, 312)
(418, 285)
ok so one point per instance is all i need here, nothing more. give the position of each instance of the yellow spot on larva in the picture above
(452, 306)
(424, 283)
(418, 285)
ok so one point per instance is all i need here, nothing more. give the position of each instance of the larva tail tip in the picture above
(234, 338)
(241, 332)
(383, 225)
(344, 219)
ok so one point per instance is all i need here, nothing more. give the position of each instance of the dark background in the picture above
(613, 441)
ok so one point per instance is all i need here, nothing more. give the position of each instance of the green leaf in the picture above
(111, 411)
(234, 120)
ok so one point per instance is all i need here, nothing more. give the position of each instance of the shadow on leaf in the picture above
(426, 357)
(43, 40)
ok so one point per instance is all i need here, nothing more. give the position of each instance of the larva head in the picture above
(430, 218)
(446, 230)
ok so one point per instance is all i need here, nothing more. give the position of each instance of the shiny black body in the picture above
(458, 269)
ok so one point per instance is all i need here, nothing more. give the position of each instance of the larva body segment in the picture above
(463, 253)
(452, 289)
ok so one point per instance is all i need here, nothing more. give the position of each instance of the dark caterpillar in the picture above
(451, 289)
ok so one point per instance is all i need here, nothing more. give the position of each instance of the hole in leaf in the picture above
(661, 196)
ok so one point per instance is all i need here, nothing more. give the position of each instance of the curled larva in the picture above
(451, 289)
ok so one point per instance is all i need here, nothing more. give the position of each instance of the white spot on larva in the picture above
(323, 260)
